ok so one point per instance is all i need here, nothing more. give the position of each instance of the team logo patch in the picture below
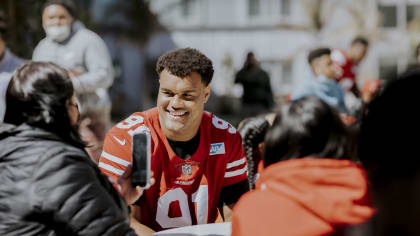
(217, 148)
(186, 169)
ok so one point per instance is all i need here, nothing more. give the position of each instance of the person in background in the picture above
(49, 185)
(257, 96)
(8, 62)
(308, 185)
(389, 154)
(348, 61)
(197, 158)
(323, 82)
(84, 54)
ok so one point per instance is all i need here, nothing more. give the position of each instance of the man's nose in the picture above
(176, 102)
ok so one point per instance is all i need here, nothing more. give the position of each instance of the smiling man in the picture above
(197, 159)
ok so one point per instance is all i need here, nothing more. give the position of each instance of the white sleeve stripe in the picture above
(236, 163)
(235, 173)
(110, 168)
(115, 159)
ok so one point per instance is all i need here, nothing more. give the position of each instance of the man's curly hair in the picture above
(182, 62)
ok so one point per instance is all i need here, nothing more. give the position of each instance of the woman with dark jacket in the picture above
(48, 184)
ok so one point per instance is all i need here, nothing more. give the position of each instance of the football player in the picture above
(197, 159)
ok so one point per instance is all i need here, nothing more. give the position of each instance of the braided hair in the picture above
(253, 132)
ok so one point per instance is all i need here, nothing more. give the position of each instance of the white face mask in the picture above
(58, 33)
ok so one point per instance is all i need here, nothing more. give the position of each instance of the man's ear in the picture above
(207, 92)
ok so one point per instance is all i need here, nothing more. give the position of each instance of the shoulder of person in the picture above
(86, 34)
(45, 42)
(219, 127)
(339, 56)
(135, 123)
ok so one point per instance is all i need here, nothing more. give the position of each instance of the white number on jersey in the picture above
(221, 124)
(130, 122)
(200, 197)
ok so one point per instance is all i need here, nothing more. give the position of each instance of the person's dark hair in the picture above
(37, 96)
(387, 143)
(319, 52)
(306, 127)
(253, 131)
(182, 62)
(69, 5)
(250, 62)
(360, 39)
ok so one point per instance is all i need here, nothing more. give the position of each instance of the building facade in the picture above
(281, 32)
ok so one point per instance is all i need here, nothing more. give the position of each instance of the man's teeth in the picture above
(177, 113)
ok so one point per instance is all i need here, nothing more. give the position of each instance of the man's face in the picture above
(180, 104)
(56, 15)
(324, 66)
(358, 52)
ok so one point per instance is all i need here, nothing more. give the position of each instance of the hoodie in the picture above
(308, 196)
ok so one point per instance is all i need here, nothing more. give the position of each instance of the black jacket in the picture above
(48, 187)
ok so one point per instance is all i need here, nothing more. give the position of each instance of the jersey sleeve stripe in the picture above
(110, 168)
(236, 163)
(115, 159)
(229, 174)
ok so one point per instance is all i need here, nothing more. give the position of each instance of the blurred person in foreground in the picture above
(8, 62)
(257, 96)
(323, 81)
(389, 154)
(348, 61)
(49, 186)
(84, 54)
(197, 158)
(308, 186)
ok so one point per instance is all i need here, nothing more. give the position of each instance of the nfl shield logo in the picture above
(186, 169)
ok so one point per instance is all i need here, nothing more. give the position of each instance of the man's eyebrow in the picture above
(190, 91)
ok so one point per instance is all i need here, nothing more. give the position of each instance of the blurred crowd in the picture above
(332, 158)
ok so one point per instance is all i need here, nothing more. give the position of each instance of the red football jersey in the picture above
(186, 192)
(348, 69)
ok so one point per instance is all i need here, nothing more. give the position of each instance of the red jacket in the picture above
(307, 196)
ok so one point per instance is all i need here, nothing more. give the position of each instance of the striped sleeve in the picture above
(236, 168)
(116, 154)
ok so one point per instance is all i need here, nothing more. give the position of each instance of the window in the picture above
(388, 16)
(186, 6)
(285, 7)
(413, 17)
(253, 7)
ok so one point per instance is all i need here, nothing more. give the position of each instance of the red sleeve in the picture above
(116, 153)
(236, 168)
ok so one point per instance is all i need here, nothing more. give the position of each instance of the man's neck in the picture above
(180, 137)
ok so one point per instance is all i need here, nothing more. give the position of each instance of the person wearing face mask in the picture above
(323, 82)
(84, 54)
